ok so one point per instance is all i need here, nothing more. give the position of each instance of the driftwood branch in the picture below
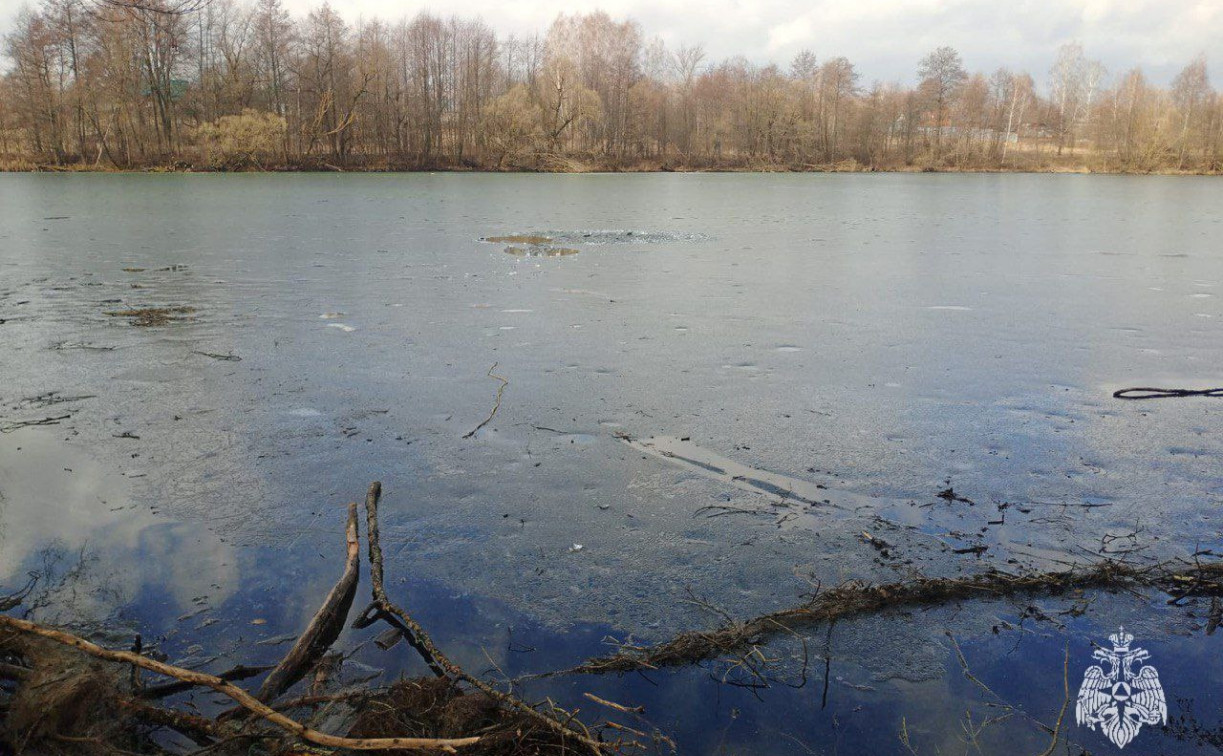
(407, 628)
(55, 420)
(239, 672)
(383, 608)
(13, 672)
(1061, 716)
(326, 624)
(199, 729)
(15, 599)
(246, 700)
(496, 404)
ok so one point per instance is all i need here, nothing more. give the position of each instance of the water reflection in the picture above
(70, 518)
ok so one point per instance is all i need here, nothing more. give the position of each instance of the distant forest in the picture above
(222, 85)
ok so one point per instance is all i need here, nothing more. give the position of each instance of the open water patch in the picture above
(564, 243)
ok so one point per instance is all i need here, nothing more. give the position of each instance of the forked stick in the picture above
(416, 635)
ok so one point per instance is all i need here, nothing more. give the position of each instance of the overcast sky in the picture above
(884, 38)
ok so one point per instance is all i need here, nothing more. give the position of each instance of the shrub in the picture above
(246, 140)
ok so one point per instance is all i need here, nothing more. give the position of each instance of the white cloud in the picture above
(885, 38)
(789, 34)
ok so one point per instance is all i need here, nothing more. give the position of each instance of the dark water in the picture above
(763, 342)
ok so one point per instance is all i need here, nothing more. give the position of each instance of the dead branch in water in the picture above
(217, 356)
(1179, 579)
(239, 672)
(202, 730)
(383, 608)
(1061, 716)
(15, 599)
(326, 624)
(19, 424)
(244, 699)
(98, 704)
(496, 405)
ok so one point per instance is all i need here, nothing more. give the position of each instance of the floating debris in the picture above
(10, 427)
(65, 345)
(520, 239)
(558, 243)
(618, 236)
(223, 357)
(1177, 578)
(786, 489)
(564, 239)
(153, 316)
(50, 398)
(950, 496)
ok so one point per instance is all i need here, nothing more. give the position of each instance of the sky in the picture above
(884, 38)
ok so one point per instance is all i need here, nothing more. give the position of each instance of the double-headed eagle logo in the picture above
(1121, 700)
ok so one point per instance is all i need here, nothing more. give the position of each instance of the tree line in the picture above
(233, 85)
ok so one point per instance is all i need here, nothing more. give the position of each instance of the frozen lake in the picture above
(715, 385)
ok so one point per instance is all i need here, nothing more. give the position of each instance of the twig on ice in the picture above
(496, 405)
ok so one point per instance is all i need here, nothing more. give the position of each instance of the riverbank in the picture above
(1081, 170)
(1052, 165)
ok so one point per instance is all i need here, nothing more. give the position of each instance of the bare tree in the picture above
(942, 76)
(1191, 92)
(1012, 95)
(686, 63)
(838, 84)
(163, 82)
(1073, 83)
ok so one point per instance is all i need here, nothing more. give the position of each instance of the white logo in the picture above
(1121, 700)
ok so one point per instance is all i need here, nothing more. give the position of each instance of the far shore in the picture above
(20, 166)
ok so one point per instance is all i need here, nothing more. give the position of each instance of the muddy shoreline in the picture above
(1072, 169)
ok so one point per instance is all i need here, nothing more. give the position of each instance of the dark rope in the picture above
(1161, 393)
